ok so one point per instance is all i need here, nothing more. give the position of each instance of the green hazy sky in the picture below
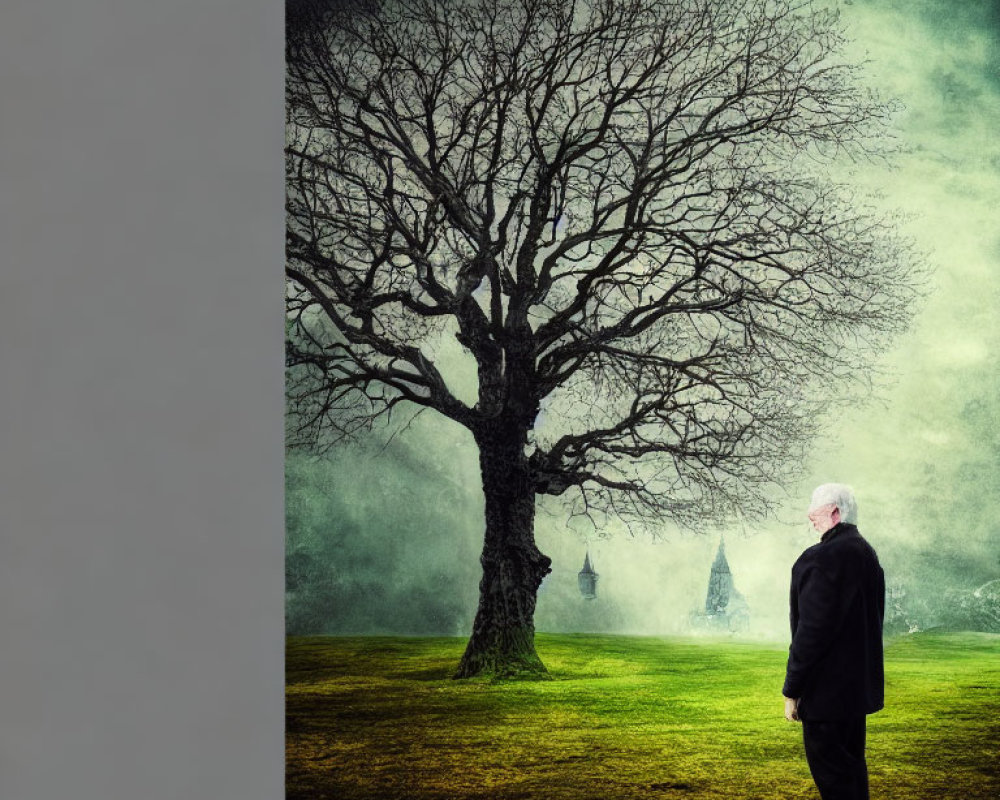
(400, 526)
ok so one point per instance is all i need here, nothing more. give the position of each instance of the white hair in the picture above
(840, 495)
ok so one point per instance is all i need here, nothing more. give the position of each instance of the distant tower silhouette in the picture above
(587, 579)
(725, 607)
(720, 583)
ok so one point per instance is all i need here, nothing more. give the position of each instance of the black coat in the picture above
(837, 607)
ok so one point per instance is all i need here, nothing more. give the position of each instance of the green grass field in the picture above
(623, 717)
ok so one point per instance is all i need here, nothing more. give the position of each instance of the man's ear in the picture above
(835, 516)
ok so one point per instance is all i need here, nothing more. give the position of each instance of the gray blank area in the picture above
(141, 399)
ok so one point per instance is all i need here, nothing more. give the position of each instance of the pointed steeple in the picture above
(725, 606)
(721, 564)
(587, 579)
(720, 583)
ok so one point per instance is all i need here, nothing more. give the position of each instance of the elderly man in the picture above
(834, 675)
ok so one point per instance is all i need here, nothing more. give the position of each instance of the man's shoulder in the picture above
(833, 550)
(808, 556)
(851, 541)
(838, 556)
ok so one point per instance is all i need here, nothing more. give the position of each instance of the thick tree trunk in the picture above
(503, 635)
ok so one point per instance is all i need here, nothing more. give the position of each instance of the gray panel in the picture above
(141, 397)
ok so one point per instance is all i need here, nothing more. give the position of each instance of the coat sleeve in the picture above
(822, 604)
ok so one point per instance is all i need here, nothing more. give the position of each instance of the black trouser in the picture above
(835, 750)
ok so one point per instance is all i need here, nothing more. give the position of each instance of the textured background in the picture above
(923, 455)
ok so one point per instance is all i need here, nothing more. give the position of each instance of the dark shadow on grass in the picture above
(429, 675)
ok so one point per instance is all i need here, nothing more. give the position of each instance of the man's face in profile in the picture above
(824, 517)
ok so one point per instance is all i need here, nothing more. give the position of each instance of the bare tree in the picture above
(619, 209)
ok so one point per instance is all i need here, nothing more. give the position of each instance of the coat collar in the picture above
(836, 530)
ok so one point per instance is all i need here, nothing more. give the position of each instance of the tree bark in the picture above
(503, 635)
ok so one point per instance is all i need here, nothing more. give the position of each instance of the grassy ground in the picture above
(623, 717)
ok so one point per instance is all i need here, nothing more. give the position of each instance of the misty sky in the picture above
(400, 525)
